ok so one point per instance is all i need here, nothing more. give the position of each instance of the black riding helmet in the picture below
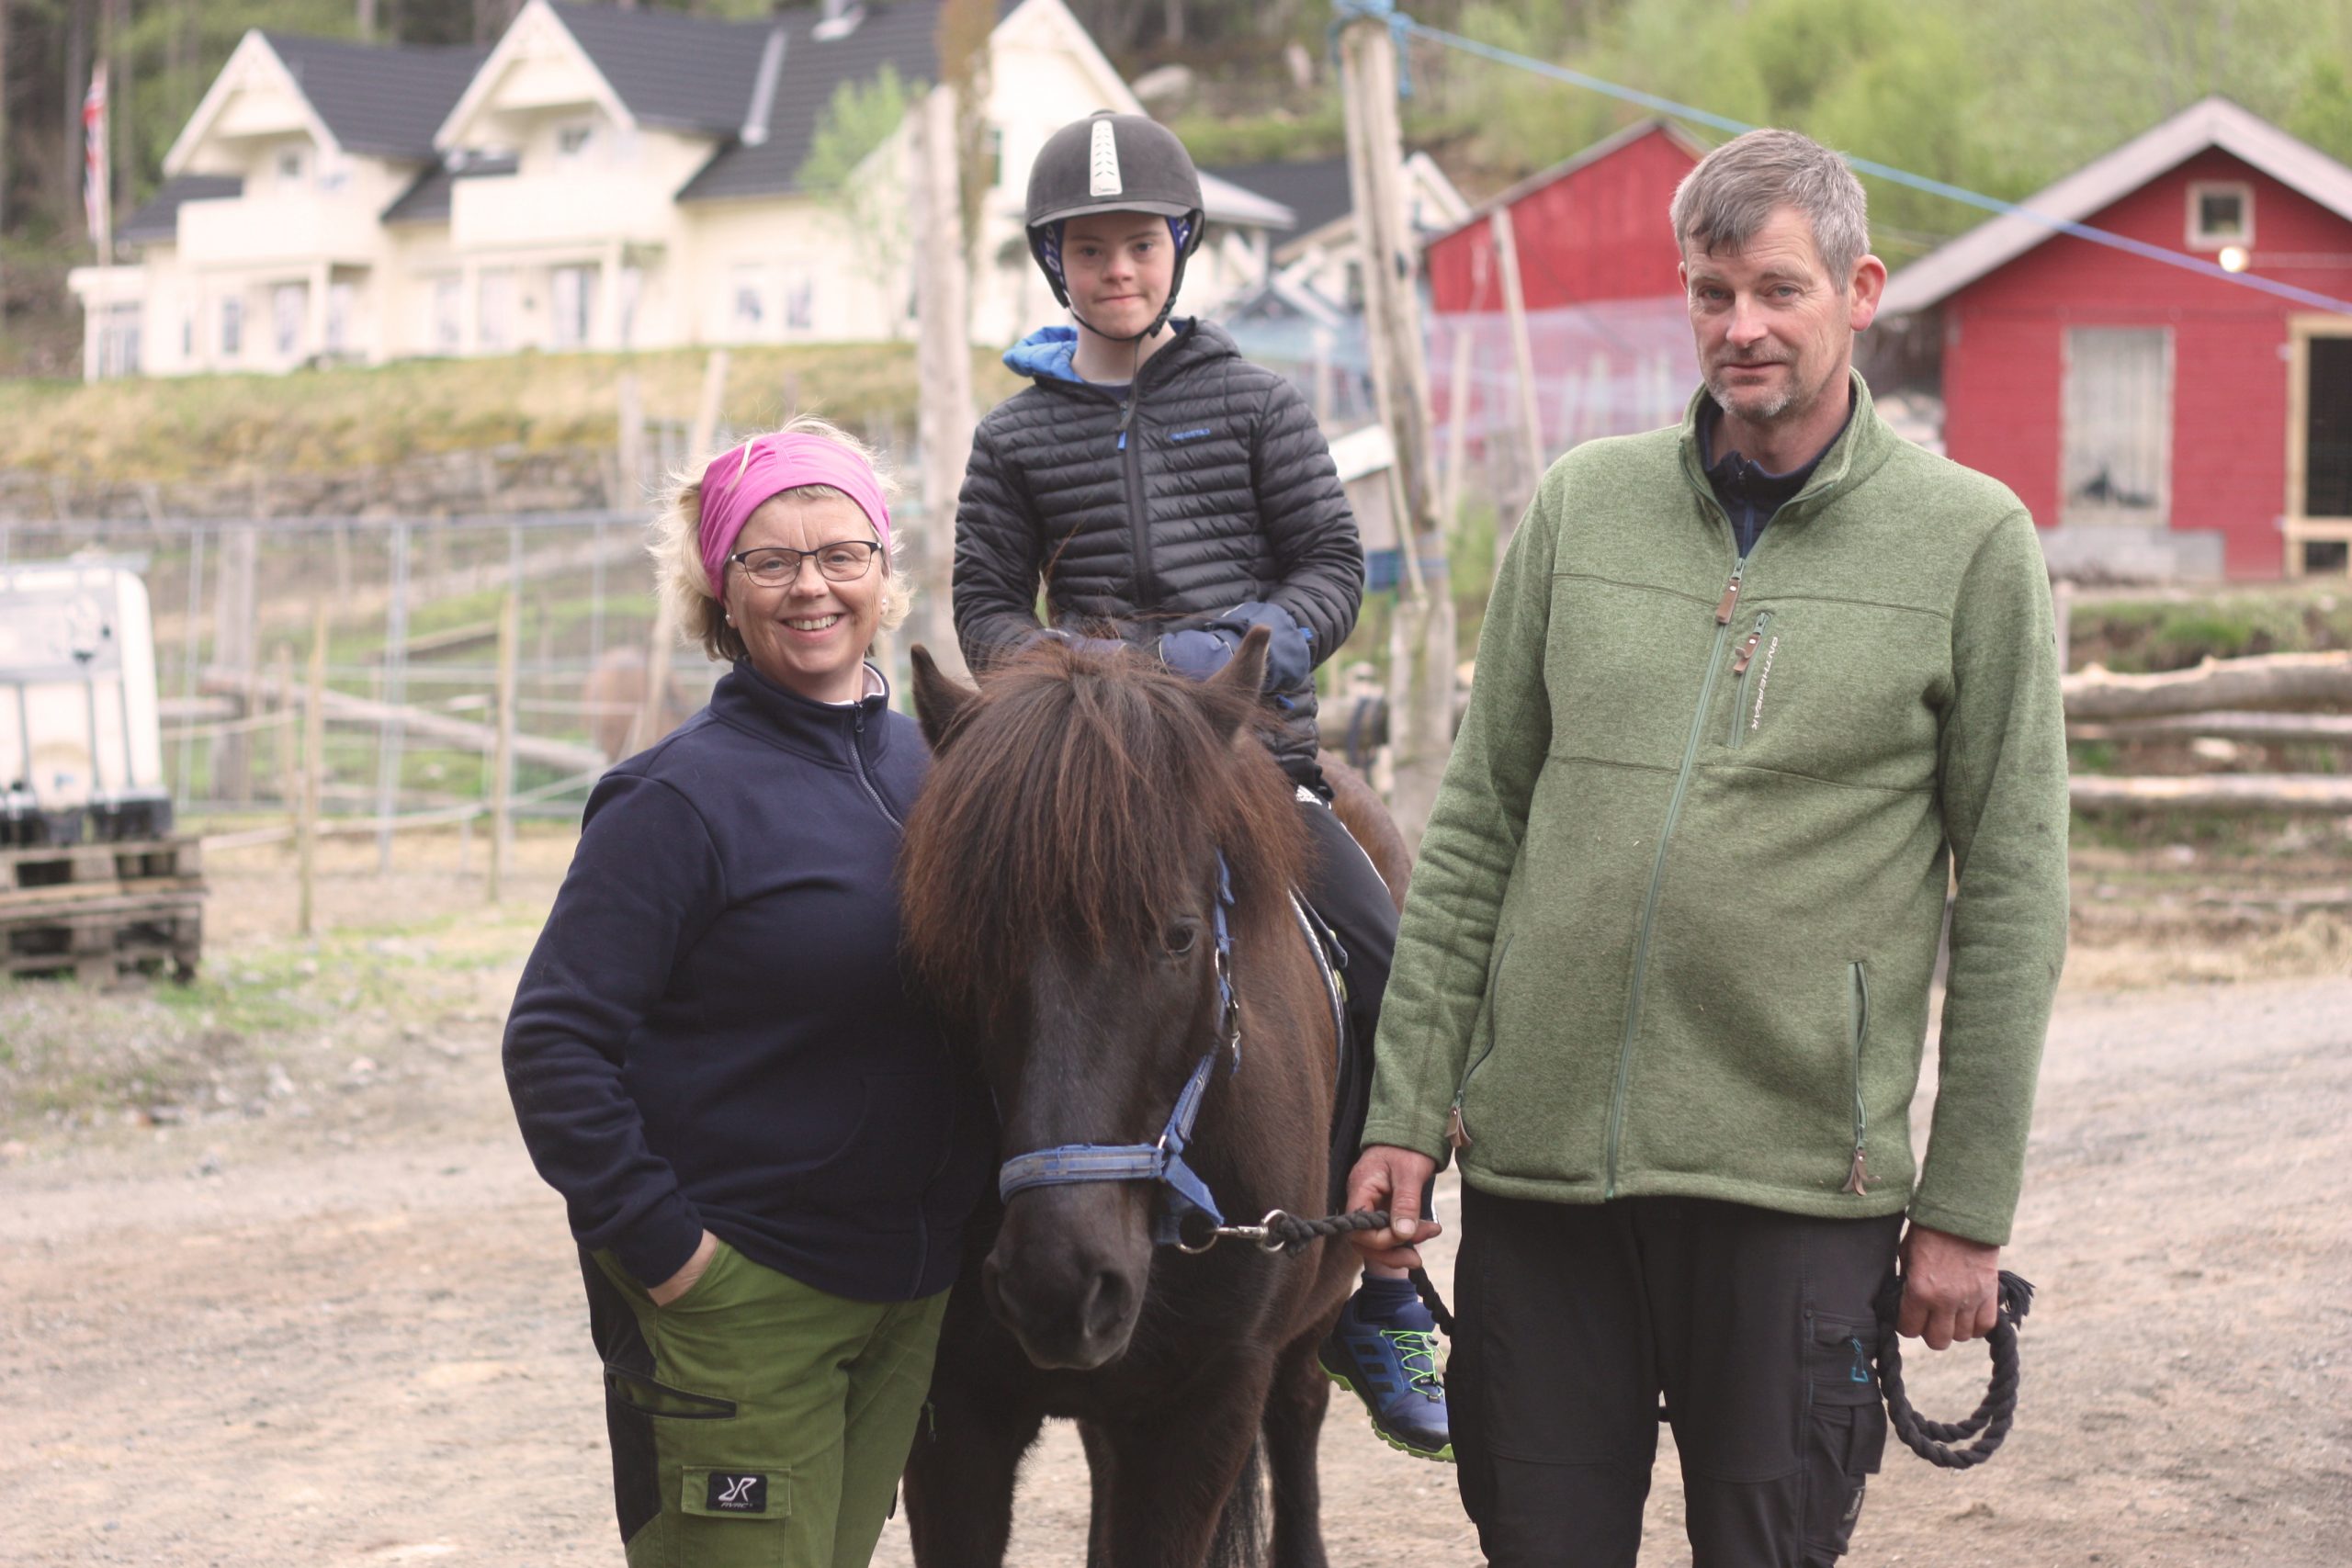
(1113, 162)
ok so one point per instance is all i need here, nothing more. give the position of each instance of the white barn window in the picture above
(2220, 212)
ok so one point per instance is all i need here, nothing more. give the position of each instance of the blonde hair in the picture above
(699, 604)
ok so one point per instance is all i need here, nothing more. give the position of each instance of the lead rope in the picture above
(1988, 1424)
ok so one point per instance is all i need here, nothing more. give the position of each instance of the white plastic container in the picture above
(78, 728)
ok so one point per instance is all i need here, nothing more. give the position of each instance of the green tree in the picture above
(858, 130)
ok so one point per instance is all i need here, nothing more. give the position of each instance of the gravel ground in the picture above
(323, 1313)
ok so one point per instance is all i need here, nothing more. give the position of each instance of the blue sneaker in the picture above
(1385, 1349)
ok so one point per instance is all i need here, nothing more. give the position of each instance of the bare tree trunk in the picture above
(1172, 24)
(3, 117)
(367, 21)
(121, 144)
(77, 82)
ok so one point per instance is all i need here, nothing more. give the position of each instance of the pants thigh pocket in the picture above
(1844, 1445)
(732, 1516)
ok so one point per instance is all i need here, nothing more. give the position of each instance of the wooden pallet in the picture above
(99, 941)
(39, 882)
(101, 912)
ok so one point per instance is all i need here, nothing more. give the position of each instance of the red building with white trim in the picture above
(2157, 421)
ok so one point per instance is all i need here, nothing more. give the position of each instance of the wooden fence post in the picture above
(502, 768)
(314, 735)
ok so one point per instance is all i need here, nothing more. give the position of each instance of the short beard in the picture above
(1790, 400)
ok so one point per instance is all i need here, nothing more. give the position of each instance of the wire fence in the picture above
(410, 680)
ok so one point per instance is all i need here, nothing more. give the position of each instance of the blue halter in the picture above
(1189, 1206)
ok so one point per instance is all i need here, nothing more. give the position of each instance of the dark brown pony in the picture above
(1061, 871)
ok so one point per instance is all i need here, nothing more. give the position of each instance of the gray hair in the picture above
(1721, 205)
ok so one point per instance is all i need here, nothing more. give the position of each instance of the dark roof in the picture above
(383, 99)
(159, 217)
(1317, 192)
(902, 35)
(427, 200)
(675, 71)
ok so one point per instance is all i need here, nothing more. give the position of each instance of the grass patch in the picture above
(2143, 636)
(322, 421)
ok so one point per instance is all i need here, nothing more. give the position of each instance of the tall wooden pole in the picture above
(944, 359)
(314, 736)
(647, 727)
(1420, 675)
(1457, 422)
(1522, 351)
(502, 764)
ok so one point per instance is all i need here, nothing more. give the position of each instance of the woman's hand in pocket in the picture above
(679, 1283)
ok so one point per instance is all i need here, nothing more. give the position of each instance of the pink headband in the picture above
(741, 478)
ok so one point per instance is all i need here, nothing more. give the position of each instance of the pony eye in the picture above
(1178, 939)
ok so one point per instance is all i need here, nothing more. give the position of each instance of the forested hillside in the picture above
(2001, 95)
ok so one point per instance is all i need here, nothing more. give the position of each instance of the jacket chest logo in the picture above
(1191, 434)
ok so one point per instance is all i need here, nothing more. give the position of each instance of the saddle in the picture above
(1354, 1054)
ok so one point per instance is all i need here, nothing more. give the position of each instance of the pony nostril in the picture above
(1103, 1314)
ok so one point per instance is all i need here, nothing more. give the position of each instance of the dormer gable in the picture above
(633, 69)
(255, 99)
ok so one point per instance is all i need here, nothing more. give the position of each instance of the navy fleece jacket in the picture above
(715, 1032)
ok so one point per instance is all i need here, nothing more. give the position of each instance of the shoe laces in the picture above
(1417, 1354)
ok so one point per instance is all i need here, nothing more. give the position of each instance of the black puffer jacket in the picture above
(1214, 489)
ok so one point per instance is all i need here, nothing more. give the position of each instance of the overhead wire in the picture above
(1402, 27)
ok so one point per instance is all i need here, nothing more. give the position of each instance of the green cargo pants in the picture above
(756, 1420)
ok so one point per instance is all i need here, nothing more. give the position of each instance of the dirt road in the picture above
(343, 1324)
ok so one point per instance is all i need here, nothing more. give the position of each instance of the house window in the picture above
(574, 289)
(633, 290)
(2220, 213)
(993, 151)
(339, 306)
(573, 140)
(232, 327)
(288, 303)
(496, 329)
(801, 304)
(751, 304)
(2117, 456)
(448, 326)
(118, 341)
(290, 167)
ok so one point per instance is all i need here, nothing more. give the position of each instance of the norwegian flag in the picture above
(98, 210)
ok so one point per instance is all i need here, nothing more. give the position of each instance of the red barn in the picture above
(1609, 339)
(2159, 421)
(1591, 229)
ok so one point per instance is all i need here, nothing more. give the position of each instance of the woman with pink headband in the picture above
(766, 1148)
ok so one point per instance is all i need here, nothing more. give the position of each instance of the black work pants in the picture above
(1347, 892)
(1757, 1328)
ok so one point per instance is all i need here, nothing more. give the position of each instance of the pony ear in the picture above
(1233, 691)
(939, 701)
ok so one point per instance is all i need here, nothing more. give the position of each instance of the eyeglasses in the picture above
(777, 565)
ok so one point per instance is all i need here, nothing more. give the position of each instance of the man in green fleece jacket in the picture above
(1749, 694)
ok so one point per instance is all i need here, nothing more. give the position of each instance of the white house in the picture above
(1319, 255)
(600, 179)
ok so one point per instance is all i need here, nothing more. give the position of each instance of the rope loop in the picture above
(1986, 1427)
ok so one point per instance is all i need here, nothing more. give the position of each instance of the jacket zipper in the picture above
(857, 755)
(1139, 534)
(1456, 1133)
(1858, 1016)
(1724, 608)
(1739, 664)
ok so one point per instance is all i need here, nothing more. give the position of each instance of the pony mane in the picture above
(1078, 800)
